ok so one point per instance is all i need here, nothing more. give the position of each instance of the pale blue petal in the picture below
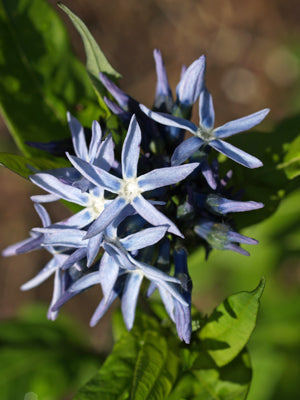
(108, 273)
(57, 292)
(236, 248)
(24, 246)
(94, 244)
(240, 124)
(191, 83)
(64, 237)
(121, 97)
(183, 321)
(153, 216)
(144, 238)
(43, 214)
(130, 297)
(237, 237)
(106, 217)
(102, 308)
(120, 256)
(56, 187)
(79, 220)
(235, 154)
(162, 87)
(78, 137)
(168, 301)
(95, 142)
(174, 291)
(185, 150)
(206, 110)
(105, 157)
(153, 273)
(44, 274)
(76, 256)
(96, 175)
(131, 149)
(165, 176)
(45, 198)
(170, 120)
(85, 282)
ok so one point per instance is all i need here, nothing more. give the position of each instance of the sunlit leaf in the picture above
(230, 326)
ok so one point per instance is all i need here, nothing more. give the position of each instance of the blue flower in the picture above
(206, 135)
(129, 189)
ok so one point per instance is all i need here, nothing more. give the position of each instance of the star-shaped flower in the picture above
(130, 187)
(206, 134)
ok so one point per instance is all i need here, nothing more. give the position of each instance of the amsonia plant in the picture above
(147, 189)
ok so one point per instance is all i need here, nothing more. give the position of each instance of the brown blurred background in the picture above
(251, 64)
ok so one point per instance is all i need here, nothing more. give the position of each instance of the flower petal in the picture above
(130, 297)
(95, 141)
(240, 124)
(152, 215)
(191, 83)
(106, 217)
(170, 120)
(235, 154)
(78, 138)
(131, 149)
(108, 274)
(206, 110)
(96, 175)
(44, 274)
(144, 238)
(185, 150)
(165, 176)
(56, 187)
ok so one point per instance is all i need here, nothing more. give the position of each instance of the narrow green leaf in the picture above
(95, 59)
(21, 165)
(230, 326)
(40, 77)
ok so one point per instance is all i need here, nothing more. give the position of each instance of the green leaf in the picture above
(291, 162)
(95, 59)
(40, 77)
(20, 164)
(230, 326)
(141, 366)
(230, 382)
(35, 354)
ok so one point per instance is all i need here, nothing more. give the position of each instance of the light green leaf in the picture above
(21, 165)
(141, 366)
(230, 326)
(40, 77)
(95, 59)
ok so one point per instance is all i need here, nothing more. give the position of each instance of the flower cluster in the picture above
(140, 201)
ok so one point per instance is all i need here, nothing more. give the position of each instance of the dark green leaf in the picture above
(40, 77)
(21, 165)
(95, 59)
(230, 326)
(230, 382)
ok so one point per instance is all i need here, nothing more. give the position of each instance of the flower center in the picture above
(130, 189)
(96, 205)
(205, 134)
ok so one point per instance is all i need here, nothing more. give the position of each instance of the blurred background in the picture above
(253, 62)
